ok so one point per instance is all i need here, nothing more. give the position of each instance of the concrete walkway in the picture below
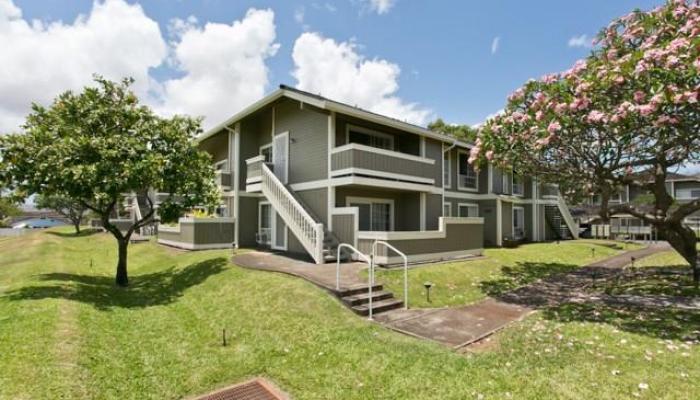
(455, 326)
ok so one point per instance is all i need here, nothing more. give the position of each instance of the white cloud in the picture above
(224, 67)
(580, 41)
(337, 71)
(381, 6)
(299, 15)
(494, 44)
(41, 60)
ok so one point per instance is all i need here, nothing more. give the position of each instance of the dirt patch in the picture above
(485, 345)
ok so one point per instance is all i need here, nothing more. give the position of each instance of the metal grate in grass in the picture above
(256, 389)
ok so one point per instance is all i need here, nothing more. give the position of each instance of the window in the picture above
(266, 151)
(447, 210)
(616, 197)
(518, 185)
(447, 169)
(370, 138)
(374, 214)
(687, 194)
(468, 210)
(518, 222)
(264, 224)
(467, 178)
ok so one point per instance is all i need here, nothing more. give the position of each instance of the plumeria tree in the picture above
(628, 113)
(99, 145)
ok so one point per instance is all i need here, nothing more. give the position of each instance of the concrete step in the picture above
(378, 307)
(357, 289)
(363, 298)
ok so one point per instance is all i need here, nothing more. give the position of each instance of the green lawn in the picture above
(463, 282)
(67, 332)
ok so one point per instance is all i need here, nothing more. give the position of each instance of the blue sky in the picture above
(444, 49)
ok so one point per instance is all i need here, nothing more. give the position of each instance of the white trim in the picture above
(252, 180)
(390, 153)
(423, 210)
(258, 158)
(447, 184)
(220, 162)
(459, 182)
(263, 147)
(490, 178)
(192, 246)
(441, 233)
(416, 258)
(272, 223)
(371, 200)
(359, 180)
(449, 205)
(512, 184)
(330, 190)
(252, 195)
(382, 174)
(310, 185)
(467, 205)
(253, 188)
(190, 220)
(370, 132)
(421, 145)
(236, 180)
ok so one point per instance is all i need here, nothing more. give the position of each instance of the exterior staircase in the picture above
(555, 221)
(357, 299)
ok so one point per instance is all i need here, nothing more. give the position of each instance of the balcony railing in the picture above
(223, 179)
(357, 159)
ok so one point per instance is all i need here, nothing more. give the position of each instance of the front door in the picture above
(280, 156)
(264, 236)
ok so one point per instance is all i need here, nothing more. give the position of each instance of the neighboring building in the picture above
(683, 188)
(301, 173)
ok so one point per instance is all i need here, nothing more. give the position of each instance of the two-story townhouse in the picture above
(301, 173)
(683, 188)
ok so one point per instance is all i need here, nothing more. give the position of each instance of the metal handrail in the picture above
(337, 268)
(371, 273)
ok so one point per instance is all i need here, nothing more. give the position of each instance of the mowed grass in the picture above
(67, 332)
(500, 270)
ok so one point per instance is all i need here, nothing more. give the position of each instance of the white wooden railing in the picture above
(304, 227)
(564, 211)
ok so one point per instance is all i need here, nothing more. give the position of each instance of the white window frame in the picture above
(273, 227)
(522, 209)
(266, 146)
(459, 181)
(686, 194)
(512, 184)
(460, 205)
(371, 132)
(447, 168)
(370, 200)
(448, 205)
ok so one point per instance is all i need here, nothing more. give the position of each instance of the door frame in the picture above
(273, 227)
(286, 159)
(370, 200)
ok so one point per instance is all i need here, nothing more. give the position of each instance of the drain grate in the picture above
(257, 389)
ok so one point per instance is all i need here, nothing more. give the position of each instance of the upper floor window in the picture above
(468, 177)
(266, 151)
(518, 185)
(368, 137)
(447, 209)
(447, 169)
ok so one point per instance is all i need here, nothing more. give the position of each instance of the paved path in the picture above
(460, 326)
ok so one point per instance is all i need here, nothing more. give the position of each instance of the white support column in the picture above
(234, 140)
(499, 223)
(331, 189)
(535, 212)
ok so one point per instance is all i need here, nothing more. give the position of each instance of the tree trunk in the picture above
(76, 225)
(683, 240)
(122, 278)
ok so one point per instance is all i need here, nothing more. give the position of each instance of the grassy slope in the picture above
(63, 325)
(462, 282)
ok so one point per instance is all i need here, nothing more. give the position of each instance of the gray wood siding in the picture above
(433, 151)
(201, 233)
(487, 210)
(433, 211)
(248, 221)
(344, 228)
(216, 146)
(459, 237)
(404, 142)
(406, 204)
(316, 202)
(308, 140)
(379, 162)
(506, 219)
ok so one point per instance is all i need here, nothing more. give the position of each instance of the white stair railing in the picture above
(564, 211)
(304, 227)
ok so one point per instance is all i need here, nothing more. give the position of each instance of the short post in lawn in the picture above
(592, 252)
(427, 285)
(223, 337)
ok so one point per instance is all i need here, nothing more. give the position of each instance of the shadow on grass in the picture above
(72, 234)
(158, 288)
(523, 273)
(639, 301)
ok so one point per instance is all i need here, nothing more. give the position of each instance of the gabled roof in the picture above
(330, 105)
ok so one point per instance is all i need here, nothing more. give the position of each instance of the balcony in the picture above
(223, 179)
(358, 162)
(254, 173)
